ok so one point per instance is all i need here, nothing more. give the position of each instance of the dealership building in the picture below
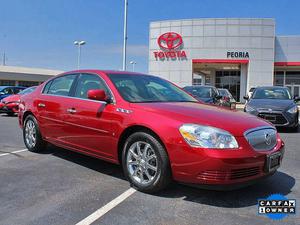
(236, 54)
(23, 76)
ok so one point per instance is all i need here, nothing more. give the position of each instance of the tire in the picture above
(138, 168)
(10, 113)
(31, 135)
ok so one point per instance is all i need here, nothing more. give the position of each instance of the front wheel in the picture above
(31, 134)
(146, 163)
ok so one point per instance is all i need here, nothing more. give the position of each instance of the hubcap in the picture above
(30, 134)
(141, 162)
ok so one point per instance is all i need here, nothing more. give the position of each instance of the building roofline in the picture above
(28, 70)
(214, 18)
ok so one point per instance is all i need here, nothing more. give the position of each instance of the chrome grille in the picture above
(262, 138)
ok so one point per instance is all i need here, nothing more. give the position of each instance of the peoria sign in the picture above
(237, 54)
(170, 44)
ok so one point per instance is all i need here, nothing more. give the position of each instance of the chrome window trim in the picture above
(112, 94)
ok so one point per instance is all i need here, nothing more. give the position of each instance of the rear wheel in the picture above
(31, 134)
(146, 163)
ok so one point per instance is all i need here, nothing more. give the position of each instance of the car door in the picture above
(51, 105)
(89, 121)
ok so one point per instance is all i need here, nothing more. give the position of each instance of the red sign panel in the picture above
(170, 44)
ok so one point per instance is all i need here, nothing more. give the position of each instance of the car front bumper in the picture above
(10, 108)
(222, 169)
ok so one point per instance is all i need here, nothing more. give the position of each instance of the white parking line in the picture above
(10, 153)
(103, 210)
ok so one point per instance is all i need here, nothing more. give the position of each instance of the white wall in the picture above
(211, 39)
(287, 49)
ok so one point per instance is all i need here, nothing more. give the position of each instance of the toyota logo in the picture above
(169, 40)
(268, 138)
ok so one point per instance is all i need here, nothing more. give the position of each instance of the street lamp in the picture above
(125, 35)
(133, 63)
(79, 43)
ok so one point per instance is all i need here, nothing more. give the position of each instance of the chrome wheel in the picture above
(30, 134)
(141, 162)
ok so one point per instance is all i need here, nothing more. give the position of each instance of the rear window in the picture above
(60, 86)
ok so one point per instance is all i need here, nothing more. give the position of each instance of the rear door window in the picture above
(61, 85)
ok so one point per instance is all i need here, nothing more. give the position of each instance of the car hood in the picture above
(236, 122)
(274, 104)
(11, 98)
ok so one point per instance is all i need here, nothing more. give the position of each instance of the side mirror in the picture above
(97, 94)
(218, 97)
(246, 97)
(296, 98)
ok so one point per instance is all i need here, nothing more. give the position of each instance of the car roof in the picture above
(12, 87)
(265, 87)
(208, 86)
(113, 72)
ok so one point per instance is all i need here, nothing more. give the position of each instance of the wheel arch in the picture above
(133, 129)
(27, 113)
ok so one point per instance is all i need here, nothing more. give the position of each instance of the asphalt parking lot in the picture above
(63, 187)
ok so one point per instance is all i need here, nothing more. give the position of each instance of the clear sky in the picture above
(40, 33)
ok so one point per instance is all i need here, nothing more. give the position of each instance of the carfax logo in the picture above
(276, 206)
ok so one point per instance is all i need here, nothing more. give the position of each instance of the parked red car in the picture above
(10, 104)
(154, 129)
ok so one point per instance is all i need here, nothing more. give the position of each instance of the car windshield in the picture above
(27, 91)
(145, 88)
(200, 92)
(271, 93)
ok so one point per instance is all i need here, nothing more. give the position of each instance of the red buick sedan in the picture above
(154, 129)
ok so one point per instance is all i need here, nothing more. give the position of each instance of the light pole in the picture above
(133, 63)
(125, 35)
(79, 43)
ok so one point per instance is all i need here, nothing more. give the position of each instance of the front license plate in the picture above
(273, 161)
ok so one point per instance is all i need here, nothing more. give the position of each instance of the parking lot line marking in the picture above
(11, 153)
(109, 206)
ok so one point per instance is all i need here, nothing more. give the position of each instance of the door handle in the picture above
(41, 105)
(71, 110)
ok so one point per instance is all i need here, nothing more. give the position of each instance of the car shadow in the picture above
(6, 115)
(280, 182)
(287, 130)
(95, 164)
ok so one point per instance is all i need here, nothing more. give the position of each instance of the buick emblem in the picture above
(268, 138)
(169, 40)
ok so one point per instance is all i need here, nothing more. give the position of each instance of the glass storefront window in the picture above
(7, 83)
(292, 77)
(278, 78)
(28, 83)
(229, 80)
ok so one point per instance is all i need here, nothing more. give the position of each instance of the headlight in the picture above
(293, 110)
(207, 137)
(249, 109)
